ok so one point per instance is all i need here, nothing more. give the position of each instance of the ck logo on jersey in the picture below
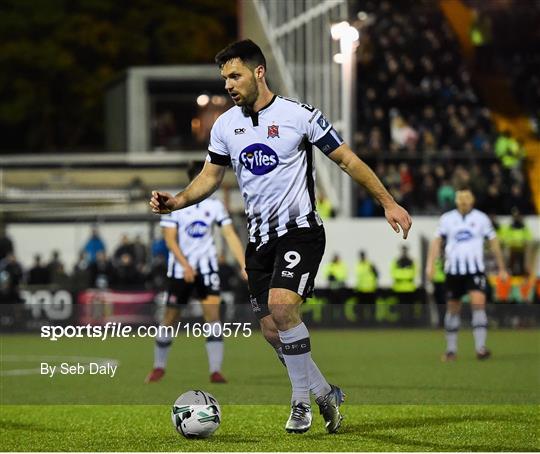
(273, 131)
(463, 235)
(259, 159)
(197, 229)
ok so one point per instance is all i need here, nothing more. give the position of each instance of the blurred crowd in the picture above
(417, 95)
(132, 265)
(429, 187)
(418, 110)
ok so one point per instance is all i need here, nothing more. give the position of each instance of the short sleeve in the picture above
(442, 229)
(168, 220)
(488, 232)
(222, 215)
(217, 149)
(322, 134)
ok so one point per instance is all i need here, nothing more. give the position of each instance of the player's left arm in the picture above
(235, 245)
(495, 247)
(360, 172)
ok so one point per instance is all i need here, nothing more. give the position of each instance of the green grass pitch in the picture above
(400, 397)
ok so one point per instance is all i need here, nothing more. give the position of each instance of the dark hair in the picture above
(194, 169)
(246, 50)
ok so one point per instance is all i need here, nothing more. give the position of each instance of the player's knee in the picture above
(284, 316)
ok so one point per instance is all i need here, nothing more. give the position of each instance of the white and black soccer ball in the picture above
(196, 414)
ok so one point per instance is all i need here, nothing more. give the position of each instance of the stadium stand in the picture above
(421, 120)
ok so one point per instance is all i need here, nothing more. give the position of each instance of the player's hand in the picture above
(397, 217)
(189, 274)
(430, 271)
(503, 275)
(162, 202)
(243, 275)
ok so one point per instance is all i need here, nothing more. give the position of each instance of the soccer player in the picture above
(464, 230)
(268, 140)
(193, 265)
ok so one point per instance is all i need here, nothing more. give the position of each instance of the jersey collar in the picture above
(255, 115)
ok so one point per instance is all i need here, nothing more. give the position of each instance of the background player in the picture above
(193, 265)
(268, 140)
(464, 231)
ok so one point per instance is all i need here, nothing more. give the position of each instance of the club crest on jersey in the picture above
(197, 229)
(322, 122)
(259, 159)
(273, 131)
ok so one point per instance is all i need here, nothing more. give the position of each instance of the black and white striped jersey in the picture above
(465, 236)
(271, 154)
(194, 226)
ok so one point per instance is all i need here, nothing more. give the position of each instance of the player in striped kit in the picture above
(268, 140)
(193, 266)
(464, 231)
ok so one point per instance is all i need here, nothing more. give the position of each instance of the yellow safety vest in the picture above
(337, 270)
(366, 280)
(517, 238)
(324, 208)
(403, 278)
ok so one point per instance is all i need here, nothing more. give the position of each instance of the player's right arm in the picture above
(202, 186)
(170, 235)
(434, 252)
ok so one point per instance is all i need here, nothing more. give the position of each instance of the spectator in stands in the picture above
(403, 272)
(101, 272)
(445, 196)
(60, 279)
(493, 198)
(427, 195)
(365, 206)
(509, 150)
(11, 274)
(55, 265)
(125, 247)
(127, 277)
(336, 273)
(159, 247)
(81, 273)
(38, 274)
(366, 279)
(402, 133)
(6, 245)
(93, 245)
(139, 253)
(516, 239)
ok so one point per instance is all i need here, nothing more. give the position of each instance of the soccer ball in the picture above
(196, 414)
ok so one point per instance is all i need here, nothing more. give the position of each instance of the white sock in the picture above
(297, 355)
(479, 329)
(214, 348)
(317, 383)
(161, 351)
(451, 327)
